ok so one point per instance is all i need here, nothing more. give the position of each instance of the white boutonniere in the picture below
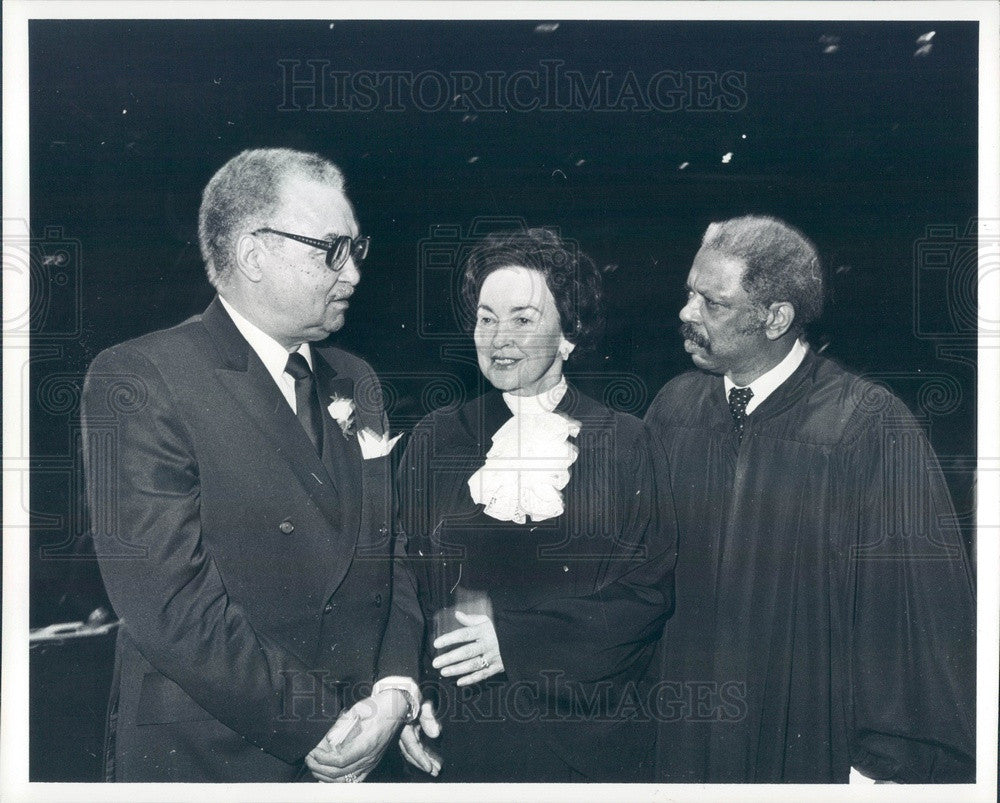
(373, 445)
(342, 411)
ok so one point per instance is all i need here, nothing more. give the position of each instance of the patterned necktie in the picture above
(306, 401)
(739, 398)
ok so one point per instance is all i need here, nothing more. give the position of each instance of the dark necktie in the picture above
(306, 401)
(739, 398)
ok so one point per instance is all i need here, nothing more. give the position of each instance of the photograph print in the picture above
(500, 400)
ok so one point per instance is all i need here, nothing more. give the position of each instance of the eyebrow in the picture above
(711, 295)
(512, 309)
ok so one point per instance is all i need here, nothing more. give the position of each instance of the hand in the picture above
(414, 750)
(479, 656)
(355, 744)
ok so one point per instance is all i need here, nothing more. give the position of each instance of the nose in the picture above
(500, 337)
(350, 273)
(689, 312)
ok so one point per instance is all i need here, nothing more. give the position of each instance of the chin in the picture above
(705, 364)
(504, 383)
(335, 325)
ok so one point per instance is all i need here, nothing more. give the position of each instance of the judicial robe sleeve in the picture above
(599, 636)
(910, 617)
(166, 587)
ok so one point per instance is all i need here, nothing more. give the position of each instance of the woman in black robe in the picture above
(543, 559)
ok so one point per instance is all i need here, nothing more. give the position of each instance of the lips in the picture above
(501, 361)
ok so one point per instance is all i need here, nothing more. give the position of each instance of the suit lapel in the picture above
(246, 378)
(364, 484)
(341, 455)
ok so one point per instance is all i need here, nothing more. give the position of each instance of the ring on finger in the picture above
(483, 662)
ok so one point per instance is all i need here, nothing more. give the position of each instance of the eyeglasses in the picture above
(337, 252)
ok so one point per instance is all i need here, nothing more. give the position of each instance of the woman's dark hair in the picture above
(571, 276)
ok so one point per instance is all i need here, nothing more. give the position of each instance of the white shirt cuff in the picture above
(406, 685)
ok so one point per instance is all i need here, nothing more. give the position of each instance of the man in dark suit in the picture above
(241, 524)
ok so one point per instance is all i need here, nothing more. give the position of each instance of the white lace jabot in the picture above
(528, 465)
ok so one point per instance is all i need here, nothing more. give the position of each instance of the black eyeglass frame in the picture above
(337, 252)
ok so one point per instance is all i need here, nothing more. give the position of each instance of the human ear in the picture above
(779, 319)
(249, 257)
(565, 348)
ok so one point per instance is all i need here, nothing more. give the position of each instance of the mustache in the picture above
(688, 332)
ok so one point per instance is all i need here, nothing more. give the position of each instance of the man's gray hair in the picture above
(242, 195)
(782, 264)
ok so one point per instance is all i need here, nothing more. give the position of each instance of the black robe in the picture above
(825, 615)
(578, 601)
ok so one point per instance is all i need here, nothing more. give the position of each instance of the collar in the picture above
(271, 352)
(764, 385)
(544, 402)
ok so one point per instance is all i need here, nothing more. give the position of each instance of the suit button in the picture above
(286, 526)
(328, 607)
(378, 600)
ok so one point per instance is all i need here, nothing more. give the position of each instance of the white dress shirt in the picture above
(271, 352)
(765, 384)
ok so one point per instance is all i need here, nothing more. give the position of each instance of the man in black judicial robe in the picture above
(825, 616)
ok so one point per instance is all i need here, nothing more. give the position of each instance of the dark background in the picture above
(870, 150)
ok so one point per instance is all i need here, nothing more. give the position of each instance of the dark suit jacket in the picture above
(253, 578)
